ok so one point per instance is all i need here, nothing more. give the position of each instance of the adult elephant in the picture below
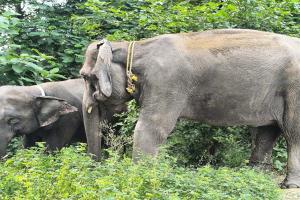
(219, 77)
(49, 112)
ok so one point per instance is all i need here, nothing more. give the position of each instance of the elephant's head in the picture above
(22, 113)
(105, 94)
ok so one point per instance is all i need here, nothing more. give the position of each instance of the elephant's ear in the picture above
(103, 65)
(49, 109)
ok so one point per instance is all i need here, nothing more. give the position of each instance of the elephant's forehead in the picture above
(12, 95)
(5, 113)
(92, 49)
(4, 102)
(6, 110)
(1, 111)
(11, 101)
(11, 105)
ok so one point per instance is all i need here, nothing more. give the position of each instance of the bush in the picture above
(71, 174)
(41, 45)
(196, 144)
(280, 155)
(135, 19)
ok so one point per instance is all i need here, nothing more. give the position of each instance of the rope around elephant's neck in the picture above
(129, 57)
(42, 90)
(130, 76)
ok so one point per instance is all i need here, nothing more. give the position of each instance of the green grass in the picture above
(71, 174)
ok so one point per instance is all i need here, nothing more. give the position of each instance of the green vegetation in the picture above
(71, 174)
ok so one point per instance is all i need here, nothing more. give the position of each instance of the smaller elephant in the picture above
(49, 112)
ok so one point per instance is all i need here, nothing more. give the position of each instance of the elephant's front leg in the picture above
(30, 140)
(152, 130)
(62, 134)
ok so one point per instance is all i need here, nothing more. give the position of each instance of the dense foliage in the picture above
(142, 19)
(40, 44)
(70, 174)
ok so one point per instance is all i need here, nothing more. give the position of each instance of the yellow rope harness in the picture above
(131, 78)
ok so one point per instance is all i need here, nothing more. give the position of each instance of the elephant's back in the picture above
(70, 90)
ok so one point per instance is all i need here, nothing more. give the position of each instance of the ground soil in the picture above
(289, 194)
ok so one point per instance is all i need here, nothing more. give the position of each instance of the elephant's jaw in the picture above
(98, 96)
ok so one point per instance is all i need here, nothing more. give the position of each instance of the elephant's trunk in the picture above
(91, 125)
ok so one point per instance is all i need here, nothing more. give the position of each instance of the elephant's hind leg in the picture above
(264, 139)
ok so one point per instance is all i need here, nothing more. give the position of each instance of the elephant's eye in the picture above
(13, 121)
(84, 76)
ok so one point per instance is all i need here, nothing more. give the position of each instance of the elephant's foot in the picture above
(290, 182)
(261, 165)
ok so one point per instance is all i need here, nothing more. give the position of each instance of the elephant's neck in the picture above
(119, 50)
(120, 53)
(33, 90)
(49, 89)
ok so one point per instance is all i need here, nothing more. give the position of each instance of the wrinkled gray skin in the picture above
(55, 118)
(219, 77)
